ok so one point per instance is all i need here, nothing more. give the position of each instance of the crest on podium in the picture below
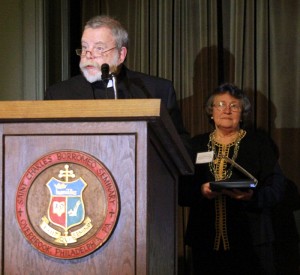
(67, 204)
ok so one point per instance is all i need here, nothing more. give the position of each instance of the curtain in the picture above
(200, 43)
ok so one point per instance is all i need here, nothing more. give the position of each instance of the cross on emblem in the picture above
(66, 173)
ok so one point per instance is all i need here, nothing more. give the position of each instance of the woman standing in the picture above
(230, 231)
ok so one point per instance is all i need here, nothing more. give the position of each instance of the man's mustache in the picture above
(94, 64)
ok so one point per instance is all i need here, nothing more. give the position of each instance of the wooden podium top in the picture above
(66, 109)
(150, 110)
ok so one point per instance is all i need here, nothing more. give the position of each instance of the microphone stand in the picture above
(114, 81)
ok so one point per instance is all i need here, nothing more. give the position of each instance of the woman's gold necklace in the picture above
(212, 147)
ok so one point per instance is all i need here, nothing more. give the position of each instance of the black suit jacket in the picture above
(130, 84)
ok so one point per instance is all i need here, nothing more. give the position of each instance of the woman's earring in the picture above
(212, 117)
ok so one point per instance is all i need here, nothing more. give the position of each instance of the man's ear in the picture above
(123, 54)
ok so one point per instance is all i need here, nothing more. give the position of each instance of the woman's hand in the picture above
(237, 194)
(207, 193)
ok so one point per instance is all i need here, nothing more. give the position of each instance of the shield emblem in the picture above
(66, 207)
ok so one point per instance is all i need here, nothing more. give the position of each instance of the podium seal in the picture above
(67, 204)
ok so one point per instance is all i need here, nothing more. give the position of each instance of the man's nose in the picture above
(89, 54)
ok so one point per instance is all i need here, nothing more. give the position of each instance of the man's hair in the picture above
(118, 31)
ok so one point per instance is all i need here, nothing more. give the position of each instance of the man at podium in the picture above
(104, 45)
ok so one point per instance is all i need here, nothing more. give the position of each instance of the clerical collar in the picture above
(109, 84)
(101, 85)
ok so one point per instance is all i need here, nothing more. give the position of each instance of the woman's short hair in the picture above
(235, 92)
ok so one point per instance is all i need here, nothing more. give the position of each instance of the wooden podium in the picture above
(138, 144)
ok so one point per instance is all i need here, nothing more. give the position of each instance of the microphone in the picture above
(105, 73)
(105, 76)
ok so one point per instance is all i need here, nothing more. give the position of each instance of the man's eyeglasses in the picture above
(221, 106)
(96, 52)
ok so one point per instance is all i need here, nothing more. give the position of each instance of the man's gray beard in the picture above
(97, 76)
(91, 78)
